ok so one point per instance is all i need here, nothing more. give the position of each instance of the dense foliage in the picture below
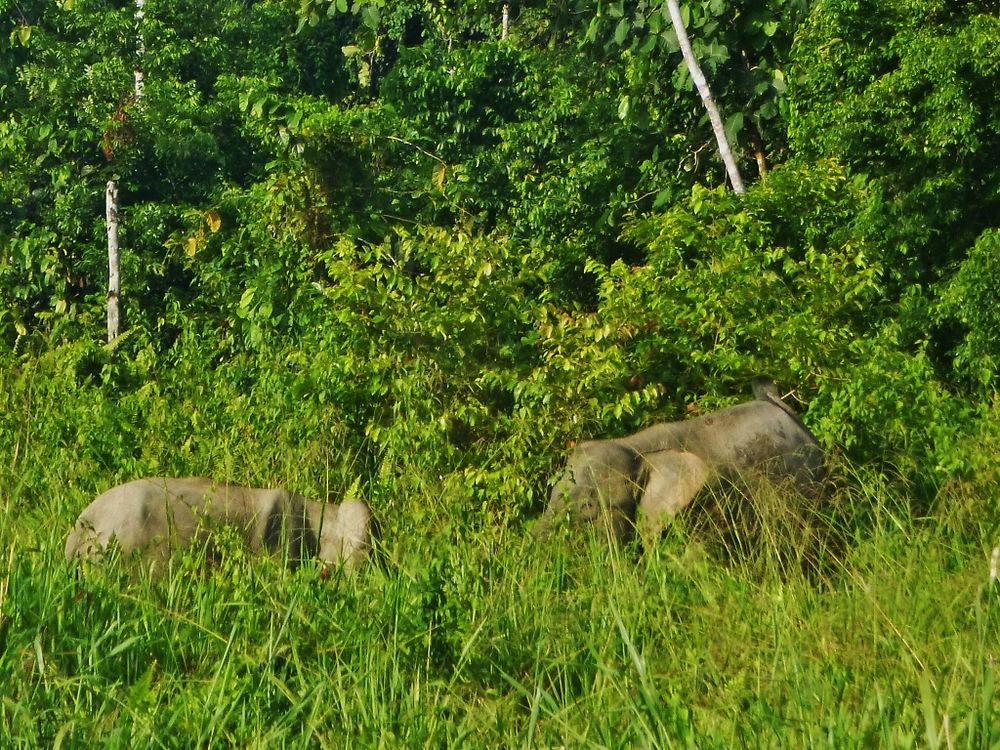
(384, 245)
(369, 181)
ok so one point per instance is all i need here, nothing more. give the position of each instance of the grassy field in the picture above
(851, 623)
(471, 637)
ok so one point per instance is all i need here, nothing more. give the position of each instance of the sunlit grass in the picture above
(485, 638)
(841, 621)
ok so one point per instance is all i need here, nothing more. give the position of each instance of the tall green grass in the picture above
(776, 624)
(486, 639)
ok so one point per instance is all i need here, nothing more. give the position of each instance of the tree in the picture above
(744, 47)
(706, 96)
(906, 94)
(70, 124)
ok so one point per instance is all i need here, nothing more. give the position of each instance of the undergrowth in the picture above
(848, 621)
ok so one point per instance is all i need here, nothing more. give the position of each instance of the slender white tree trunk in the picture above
(111, 202)
(706, 97)
(505, 24)
(114, 276)
(140, 47)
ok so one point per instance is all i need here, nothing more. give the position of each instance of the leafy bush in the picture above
(969, 299)
(736, 287)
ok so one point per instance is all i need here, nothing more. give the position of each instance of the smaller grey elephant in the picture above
(158, 515)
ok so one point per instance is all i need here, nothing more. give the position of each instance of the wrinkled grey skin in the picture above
(158, 515)
(651, 475)
(670, 480)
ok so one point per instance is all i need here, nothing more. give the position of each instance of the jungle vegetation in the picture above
(403, 250)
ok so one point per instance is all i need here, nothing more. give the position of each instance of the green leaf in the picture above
(621, 31)
(247, 299)
(371, 17)
(716, 54)
(656, 23)
(669, 37)
(624, 107)
(778, 81)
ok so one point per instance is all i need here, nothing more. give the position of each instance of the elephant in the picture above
(645, 478)
(156, 516)
(670, 479)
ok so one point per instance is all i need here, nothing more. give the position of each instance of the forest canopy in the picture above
(422, 226)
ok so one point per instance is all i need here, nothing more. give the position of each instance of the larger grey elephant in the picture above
(641, 480)
(157, 516)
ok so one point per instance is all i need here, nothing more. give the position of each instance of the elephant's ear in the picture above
(672, 481)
